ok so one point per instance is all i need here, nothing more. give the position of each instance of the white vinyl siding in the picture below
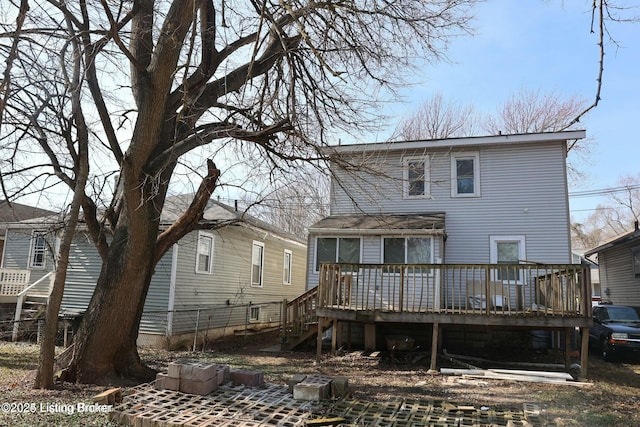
(286, 267)
(416, 179)
(465, 174)
(38, 250)
(257, 263)
(523, 189)
(204, 256)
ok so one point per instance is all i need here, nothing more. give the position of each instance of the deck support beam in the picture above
(435, 337)
(319, 339)
(584, 351)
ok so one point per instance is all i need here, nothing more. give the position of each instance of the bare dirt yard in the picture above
(611, 399)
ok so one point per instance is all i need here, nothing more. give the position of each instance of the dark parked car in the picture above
(615, 330)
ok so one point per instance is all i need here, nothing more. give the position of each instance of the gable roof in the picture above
(19, 212)
(624, 238)
(427, 223)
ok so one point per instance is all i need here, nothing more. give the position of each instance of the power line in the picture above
(603, 191)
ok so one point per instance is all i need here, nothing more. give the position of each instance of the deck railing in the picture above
(488, 289)
(13, 281)
(299, 313)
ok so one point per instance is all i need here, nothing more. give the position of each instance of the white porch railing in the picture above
(42, 286)
(13, 281)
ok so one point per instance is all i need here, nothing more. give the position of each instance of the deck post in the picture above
(584, 351)
(334, 336)
(434, 347)
(319, 339)
(370, 336)
(567, 347)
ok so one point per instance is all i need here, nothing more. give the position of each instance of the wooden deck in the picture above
(528, 296)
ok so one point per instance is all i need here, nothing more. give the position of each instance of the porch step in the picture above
(296, 341)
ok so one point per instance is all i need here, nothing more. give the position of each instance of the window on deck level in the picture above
(337, 249)
(507, 250)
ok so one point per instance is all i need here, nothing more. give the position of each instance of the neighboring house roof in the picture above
(215, 214)
(428, 223)
(625, 238)
(19, 212)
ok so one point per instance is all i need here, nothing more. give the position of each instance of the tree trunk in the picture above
(105, 345)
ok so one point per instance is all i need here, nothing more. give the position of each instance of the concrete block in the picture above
(339, 387)
(199, 387)
(186, 371)
(248, 378)
(173, 370)
(314, 387)
(224, 373)
(164, 382)
(297, 378)
(204, 372)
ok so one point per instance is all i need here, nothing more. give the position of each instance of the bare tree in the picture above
(297, 203)
(262, 80)
(612, 218)
(437, 119)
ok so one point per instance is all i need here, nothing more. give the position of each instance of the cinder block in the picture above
(173, 370)
(199, 387)
(297, 378)
(164, 382)
(248, 378)
(223, 373)
(204, 372)
(314, 388)
(339, 387)
(186, 371)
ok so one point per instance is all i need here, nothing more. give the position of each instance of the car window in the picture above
(601, 314)
(622, 314)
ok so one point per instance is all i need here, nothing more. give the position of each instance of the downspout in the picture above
(172, 289)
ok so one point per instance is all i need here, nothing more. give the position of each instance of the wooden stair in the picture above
(300, 321)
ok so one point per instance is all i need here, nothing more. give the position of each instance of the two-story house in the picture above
(439, 234)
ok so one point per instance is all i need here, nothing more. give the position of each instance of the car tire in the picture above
(605, 351)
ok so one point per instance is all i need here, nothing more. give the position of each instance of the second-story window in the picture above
(38, 250)
(465, 175)
(417, 180)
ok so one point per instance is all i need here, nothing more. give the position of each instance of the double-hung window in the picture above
(465, 174)
(337, 249)
(286, 268)
(507, 250)
(38, 250)
(257, 263)
(416, 177)
(204, 257)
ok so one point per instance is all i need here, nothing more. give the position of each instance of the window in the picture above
(337, 249)
(465, 175)
(204, 257)
(38, 250)
(286, 268)
(257, 263)
(416, 177)
(407, 250)
(636, 262)
(507, 250)
(254, 314)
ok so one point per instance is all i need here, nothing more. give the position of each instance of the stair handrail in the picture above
(299, 311)
(21, 295)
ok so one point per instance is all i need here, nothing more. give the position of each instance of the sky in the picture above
(546, 46)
